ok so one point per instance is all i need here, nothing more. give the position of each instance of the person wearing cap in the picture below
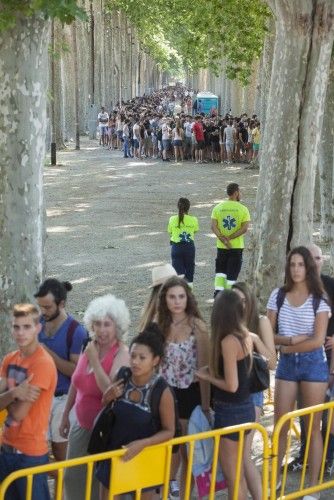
(159, 275)
(182, 228)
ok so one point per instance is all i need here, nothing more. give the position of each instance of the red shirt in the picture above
(198, 131)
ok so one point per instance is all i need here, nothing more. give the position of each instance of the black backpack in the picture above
(103, 424)
(155, 396)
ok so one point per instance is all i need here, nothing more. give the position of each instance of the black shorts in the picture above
(187, 399)
(229, 262)
(200, 145)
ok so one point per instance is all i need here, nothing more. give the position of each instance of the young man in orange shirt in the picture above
(28, 378)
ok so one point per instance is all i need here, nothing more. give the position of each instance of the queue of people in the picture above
(174, 351)
(162, 125)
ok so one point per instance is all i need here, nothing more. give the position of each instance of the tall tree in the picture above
(24, 33)
(290, 147)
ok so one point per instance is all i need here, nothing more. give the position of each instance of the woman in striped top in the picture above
(300, 312)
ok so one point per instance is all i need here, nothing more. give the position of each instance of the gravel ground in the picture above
(106, 226)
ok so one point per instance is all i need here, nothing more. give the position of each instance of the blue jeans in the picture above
(126, 147)
(303, 366)
(183, 259)
(10, 462)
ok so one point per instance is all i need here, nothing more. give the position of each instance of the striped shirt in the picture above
(296, 320)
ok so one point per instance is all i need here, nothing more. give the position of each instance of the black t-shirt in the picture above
(328, 283)
(214, 134)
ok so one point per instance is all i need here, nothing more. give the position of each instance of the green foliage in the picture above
(64, 10)
(199, 34)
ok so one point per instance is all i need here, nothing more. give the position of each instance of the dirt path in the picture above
(107, 219)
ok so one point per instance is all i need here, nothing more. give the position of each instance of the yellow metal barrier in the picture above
(150, 468)
(288, 420)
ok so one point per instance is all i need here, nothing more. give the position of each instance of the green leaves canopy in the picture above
(65, 10)
(199, 34)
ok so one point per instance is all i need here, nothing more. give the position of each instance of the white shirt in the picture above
(103, 119)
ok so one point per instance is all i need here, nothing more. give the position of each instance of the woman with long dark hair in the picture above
(182, 228)
(230, 363)
(261, 332)
(300, 312)
(187, 347)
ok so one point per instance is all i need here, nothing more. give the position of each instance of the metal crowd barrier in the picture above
(148, 469)
(152, 466)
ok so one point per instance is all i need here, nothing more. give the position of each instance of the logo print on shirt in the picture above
(229, 223)
(184, 237)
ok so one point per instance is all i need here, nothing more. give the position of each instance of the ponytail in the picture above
(183, 205)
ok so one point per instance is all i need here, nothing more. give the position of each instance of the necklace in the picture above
(176, 323)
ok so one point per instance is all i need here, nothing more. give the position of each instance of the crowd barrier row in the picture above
(152, 466)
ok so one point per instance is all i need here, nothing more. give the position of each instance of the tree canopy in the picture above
(65, 10)
(194, 35)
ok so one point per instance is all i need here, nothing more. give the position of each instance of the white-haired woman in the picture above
(107, 320)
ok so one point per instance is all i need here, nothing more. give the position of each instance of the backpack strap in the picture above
(280, 299)
(69, 335)
(316, 304)
(156, 391)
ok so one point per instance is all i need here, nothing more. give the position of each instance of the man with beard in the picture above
(62, 336)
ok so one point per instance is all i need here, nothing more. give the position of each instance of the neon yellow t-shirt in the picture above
(184, 233)
(230, 215)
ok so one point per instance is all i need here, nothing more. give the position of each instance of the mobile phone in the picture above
(124, 373)
(85, 343)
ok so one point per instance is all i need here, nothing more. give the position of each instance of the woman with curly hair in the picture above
(187, 349)
(107, 321)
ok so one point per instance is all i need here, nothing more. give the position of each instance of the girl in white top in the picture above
(177, 136)
(301, 313)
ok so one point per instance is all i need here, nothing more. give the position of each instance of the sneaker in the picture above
(174, 491)
(296, 465)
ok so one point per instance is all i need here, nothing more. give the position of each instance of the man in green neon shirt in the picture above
(229, 221)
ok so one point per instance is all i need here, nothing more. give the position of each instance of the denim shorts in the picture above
(228, 414)
(303, 366)
(257, 399)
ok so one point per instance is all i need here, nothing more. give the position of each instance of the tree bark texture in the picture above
(284, 206)
(23, 87)
(326, 163)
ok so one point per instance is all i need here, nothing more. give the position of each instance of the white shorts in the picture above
(57, 410)
(229, 146)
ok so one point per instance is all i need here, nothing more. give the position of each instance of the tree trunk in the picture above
(23, 61)
(76, 85)
(284, 205)
(326, 163)
(311, 118)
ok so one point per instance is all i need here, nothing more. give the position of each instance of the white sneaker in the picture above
(174, 490)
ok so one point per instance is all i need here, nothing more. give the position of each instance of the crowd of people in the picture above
(165, 125)
(63, 373)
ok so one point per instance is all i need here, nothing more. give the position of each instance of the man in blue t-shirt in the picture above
(62, 336)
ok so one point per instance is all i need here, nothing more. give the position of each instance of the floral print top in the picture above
(180, 362)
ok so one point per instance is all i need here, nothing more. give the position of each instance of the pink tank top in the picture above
(88, 398)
